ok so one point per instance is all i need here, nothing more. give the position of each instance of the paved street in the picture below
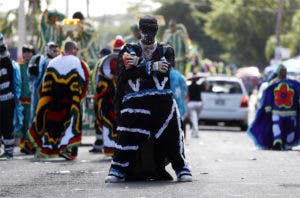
(224, 162)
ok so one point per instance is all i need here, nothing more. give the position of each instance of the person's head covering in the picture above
(3, 47)
(134, 27)
(172, 22)
(28, 48)
(119, 42)
(78, 15)
(50, 45)
(53, 13)
(148, 26)
(104, 51)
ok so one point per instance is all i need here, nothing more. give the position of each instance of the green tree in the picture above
(290, 32)
(193, 15)
(242, 27)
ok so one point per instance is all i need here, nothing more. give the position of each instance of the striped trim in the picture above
(134, 130)
(126, 148)
(183, 172)
(130, 110)
(268, 108)
(284, 112)
(116, 172)
(6, 97)
(161, 130)
(147, 92)
(160, 86)
(8, 141)
(120, 164)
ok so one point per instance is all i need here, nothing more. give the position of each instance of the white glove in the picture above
(160, 66)
(132, 60)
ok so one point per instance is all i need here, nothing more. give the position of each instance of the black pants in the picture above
(6, 119)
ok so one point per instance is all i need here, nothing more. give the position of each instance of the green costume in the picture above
(178, 40)
(25, 100)
(50, 30)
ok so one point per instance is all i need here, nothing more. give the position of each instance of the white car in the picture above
(226, 100)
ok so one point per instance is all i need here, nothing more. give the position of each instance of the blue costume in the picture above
(277, 121)
(179, 88)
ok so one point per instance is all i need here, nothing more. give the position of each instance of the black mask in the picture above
(2, 48)
(149, 27)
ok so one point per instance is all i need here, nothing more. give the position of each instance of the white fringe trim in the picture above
(134, 130)
(120, 164)
(130, 110)
(126, 148)
(161, 130)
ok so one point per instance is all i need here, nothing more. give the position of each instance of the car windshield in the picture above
(226, 87)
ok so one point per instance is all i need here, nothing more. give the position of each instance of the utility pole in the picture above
(67, 8)
(21, 29)
(277, 54)
(88, 8)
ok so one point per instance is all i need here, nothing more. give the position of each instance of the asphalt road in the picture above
(224, 162)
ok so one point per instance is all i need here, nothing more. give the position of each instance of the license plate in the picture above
(220, 102)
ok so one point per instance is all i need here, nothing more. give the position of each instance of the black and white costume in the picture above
(145, 107)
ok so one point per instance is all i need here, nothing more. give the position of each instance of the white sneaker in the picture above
(185, 178)
(113, 179)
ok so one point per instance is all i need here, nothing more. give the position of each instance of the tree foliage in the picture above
(193, 15)
(242, 27)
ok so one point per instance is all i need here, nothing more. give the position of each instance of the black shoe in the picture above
(277, 146)
(70, 153)
(27, 151)
(163, 175)
(95, 150)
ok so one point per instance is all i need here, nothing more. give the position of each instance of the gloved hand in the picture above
(160, 66)
(130, 60)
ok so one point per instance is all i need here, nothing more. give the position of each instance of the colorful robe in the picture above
(103, 100)
(57, 124)
(281, 101)
(179, 41)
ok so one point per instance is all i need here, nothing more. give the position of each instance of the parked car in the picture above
(226, 100)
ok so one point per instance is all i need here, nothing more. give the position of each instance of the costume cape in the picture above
(105, 86)
(57, 123)
(260, 129)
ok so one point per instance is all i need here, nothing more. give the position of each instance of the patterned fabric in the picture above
(103, 100)
(278, 118)
(56, 126)
(49, 31)
(146, 110)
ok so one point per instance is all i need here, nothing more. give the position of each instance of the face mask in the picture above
(2, 48)
(148, 38)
